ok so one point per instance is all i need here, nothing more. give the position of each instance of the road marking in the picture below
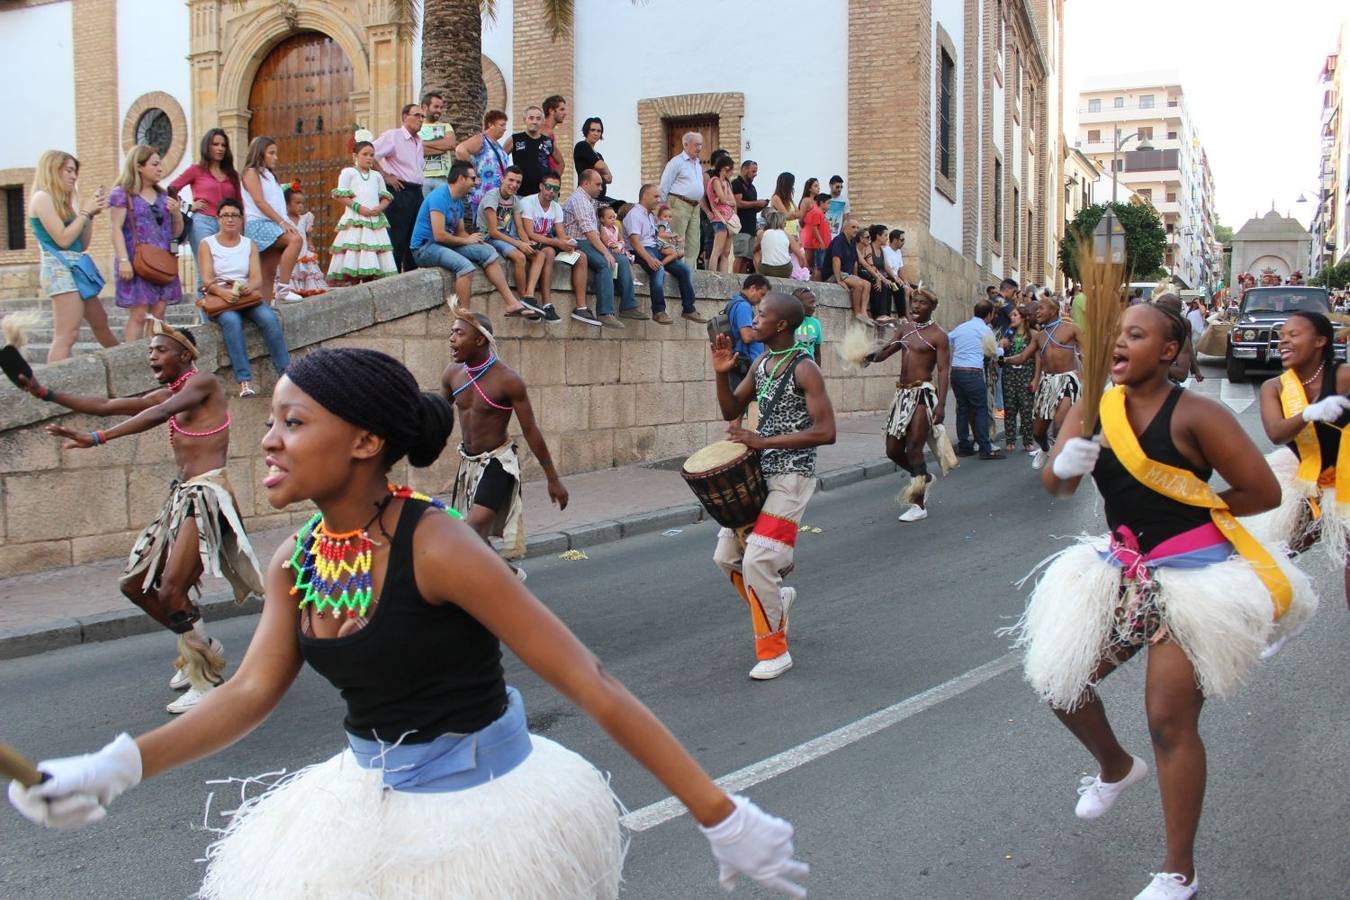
(648, 817)
(1237, 397)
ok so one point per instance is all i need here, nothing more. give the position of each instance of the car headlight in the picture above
(1249, 335)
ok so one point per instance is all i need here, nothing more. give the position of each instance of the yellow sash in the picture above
(1184, 487)
(1293, 400)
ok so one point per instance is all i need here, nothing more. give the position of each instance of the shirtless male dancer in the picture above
(795, 419)
(485, 392)
(918, 404)
(1056, 383)
(199, 525)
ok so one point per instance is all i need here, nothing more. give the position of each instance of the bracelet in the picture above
(47, 395)
(96, 437)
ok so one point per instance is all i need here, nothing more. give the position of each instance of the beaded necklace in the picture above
(475, 373)
(177, 384)
(778, 367)
(333, 569)
(175, 428)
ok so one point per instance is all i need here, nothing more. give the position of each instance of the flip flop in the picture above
(524, 313)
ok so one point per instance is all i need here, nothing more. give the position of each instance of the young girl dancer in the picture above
(441, 791)
(1177, 573)
(306, 278)
(1314, 479)
(362, 250)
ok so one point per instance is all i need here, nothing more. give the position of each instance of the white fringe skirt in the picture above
(546, 830)
(1292, 522)
(1220, 615)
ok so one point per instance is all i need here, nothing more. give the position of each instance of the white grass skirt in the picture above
(547, 830)
(1220, 615)
(1284, 524)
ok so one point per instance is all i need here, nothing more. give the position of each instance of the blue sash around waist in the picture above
(452, 762)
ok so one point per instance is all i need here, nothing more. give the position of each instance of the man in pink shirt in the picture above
(398, 153)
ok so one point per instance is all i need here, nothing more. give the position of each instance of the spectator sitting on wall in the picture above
(585, 156)
(532, 152)
(606, 268)
(555, 114)
(439, 238)
(640, 225)
(748, 206)
(497, 220)
(892, 255)
(774, 249)
(438, 142)
(844, 270)
(541, 223)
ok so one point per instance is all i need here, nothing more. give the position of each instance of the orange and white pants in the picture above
(757, 566)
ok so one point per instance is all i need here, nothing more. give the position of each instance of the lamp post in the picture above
(1115, 154)
(1318, 232)
(1108, 240)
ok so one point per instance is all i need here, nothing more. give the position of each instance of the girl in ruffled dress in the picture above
(362, 250)
(307, 278)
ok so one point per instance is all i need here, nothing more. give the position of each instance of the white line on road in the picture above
(1237, 397)
(648, 817)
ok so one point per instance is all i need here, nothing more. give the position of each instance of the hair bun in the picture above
(435, 421)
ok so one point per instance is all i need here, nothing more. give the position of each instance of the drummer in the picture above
(486, 393)
(795, 418)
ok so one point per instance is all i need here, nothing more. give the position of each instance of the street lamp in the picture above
(1115, 154)
(1108, 240)
(1318, 248)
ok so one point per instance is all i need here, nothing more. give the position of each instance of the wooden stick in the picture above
(14, 765)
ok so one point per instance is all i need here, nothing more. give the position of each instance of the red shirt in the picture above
(205, 187)
(813, 223)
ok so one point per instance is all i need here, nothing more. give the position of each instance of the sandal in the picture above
(246, 390)
(524, 313)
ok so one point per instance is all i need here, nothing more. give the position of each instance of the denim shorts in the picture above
(55, 276)
(262, 232)
(719, 226)
(460, 260)
(502, 247)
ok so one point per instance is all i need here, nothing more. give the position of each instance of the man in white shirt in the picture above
(895, 266)
(970, 341)
(681, 189)
(1197, 319)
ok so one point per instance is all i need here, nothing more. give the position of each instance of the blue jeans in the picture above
(972, 408)
(459, 260)
(231, 324)
(658, 281)
(603, 280)
(203, 226)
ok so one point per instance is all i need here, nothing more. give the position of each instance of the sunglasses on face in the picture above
(550, 187)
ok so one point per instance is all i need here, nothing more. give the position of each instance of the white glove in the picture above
(79, 787)
(1076, 458)
(1328, 410)
(752, 843)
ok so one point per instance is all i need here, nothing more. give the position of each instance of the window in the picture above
(1171, 135)
(1170, 226)
(1146, 133)
(1118, 102)
(11, 195)
(946, 137)
(1171, 196)
(154, 129)
(1031, 107)
(1026, 266)
(1095, 105)
(1146, 194)
(1117, 165)
(1017, 224)
(1094, 136)
(998, 200)
(1145, 101)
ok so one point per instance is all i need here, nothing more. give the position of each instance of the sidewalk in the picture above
(81, 604)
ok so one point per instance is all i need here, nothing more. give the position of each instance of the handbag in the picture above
(83, 270)
(154, 264)
(213, 304)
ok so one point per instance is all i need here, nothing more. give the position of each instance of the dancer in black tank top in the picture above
(1308, 401)
(1167, 577)
(441, 791)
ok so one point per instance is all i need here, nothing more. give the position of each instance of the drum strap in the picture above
(771, 402)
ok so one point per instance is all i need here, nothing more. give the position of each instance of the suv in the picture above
(1254, 341)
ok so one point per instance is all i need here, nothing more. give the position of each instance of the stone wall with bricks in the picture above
(603, 397)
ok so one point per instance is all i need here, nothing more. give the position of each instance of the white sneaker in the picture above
(179, 681)
(1038, 458)
(286, 294)
(188, 700)
(767, 669)
(914, 514)
(1169, 886)
(786, 596)
(1096, 797)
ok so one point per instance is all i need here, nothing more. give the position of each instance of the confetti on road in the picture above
(672, 532)
(815, 531)
(572, 554)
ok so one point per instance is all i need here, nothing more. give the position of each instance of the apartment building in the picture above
(1117, 115)
(1331, 220)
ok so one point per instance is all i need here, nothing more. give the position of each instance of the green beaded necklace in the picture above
(778, 367)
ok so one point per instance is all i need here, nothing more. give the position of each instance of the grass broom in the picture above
(1102, 282)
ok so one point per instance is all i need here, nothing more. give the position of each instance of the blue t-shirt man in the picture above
(443, 202)
(742, 314)
(842, 248)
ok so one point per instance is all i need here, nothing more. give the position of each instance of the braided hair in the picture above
(1322, 325)
(374, 391)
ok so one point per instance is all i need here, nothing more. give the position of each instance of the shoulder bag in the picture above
(213, 304)
(154, 264)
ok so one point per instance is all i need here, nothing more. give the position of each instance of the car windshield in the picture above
(1284, 300)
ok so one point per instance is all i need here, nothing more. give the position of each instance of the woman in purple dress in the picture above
(139, 202)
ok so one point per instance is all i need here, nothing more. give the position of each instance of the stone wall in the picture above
(603, 397)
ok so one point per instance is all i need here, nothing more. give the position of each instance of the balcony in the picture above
(1130, 112)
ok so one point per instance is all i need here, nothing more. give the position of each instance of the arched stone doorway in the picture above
(302, 97)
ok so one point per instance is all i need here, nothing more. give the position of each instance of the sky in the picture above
(1250, 75)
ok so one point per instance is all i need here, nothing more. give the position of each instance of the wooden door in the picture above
(301, 98)
(708, 126)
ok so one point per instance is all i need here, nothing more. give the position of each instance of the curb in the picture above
(110, 626)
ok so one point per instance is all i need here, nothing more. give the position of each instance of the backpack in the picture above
(720, 323)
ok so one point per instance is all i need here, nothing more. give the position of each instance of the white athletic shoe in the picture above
(284, 293)
(767, 669)
(1169, 886)
(786, 596)
(1096, 797)
(914, 514)
(179, 681)
(188, 700)
(1038, 458)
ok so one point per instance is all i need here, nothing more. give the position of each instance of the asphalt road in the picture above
(968, 794)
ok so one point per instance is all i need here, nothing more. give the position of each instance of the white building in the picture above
(1331, 219)
(1173, 176)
